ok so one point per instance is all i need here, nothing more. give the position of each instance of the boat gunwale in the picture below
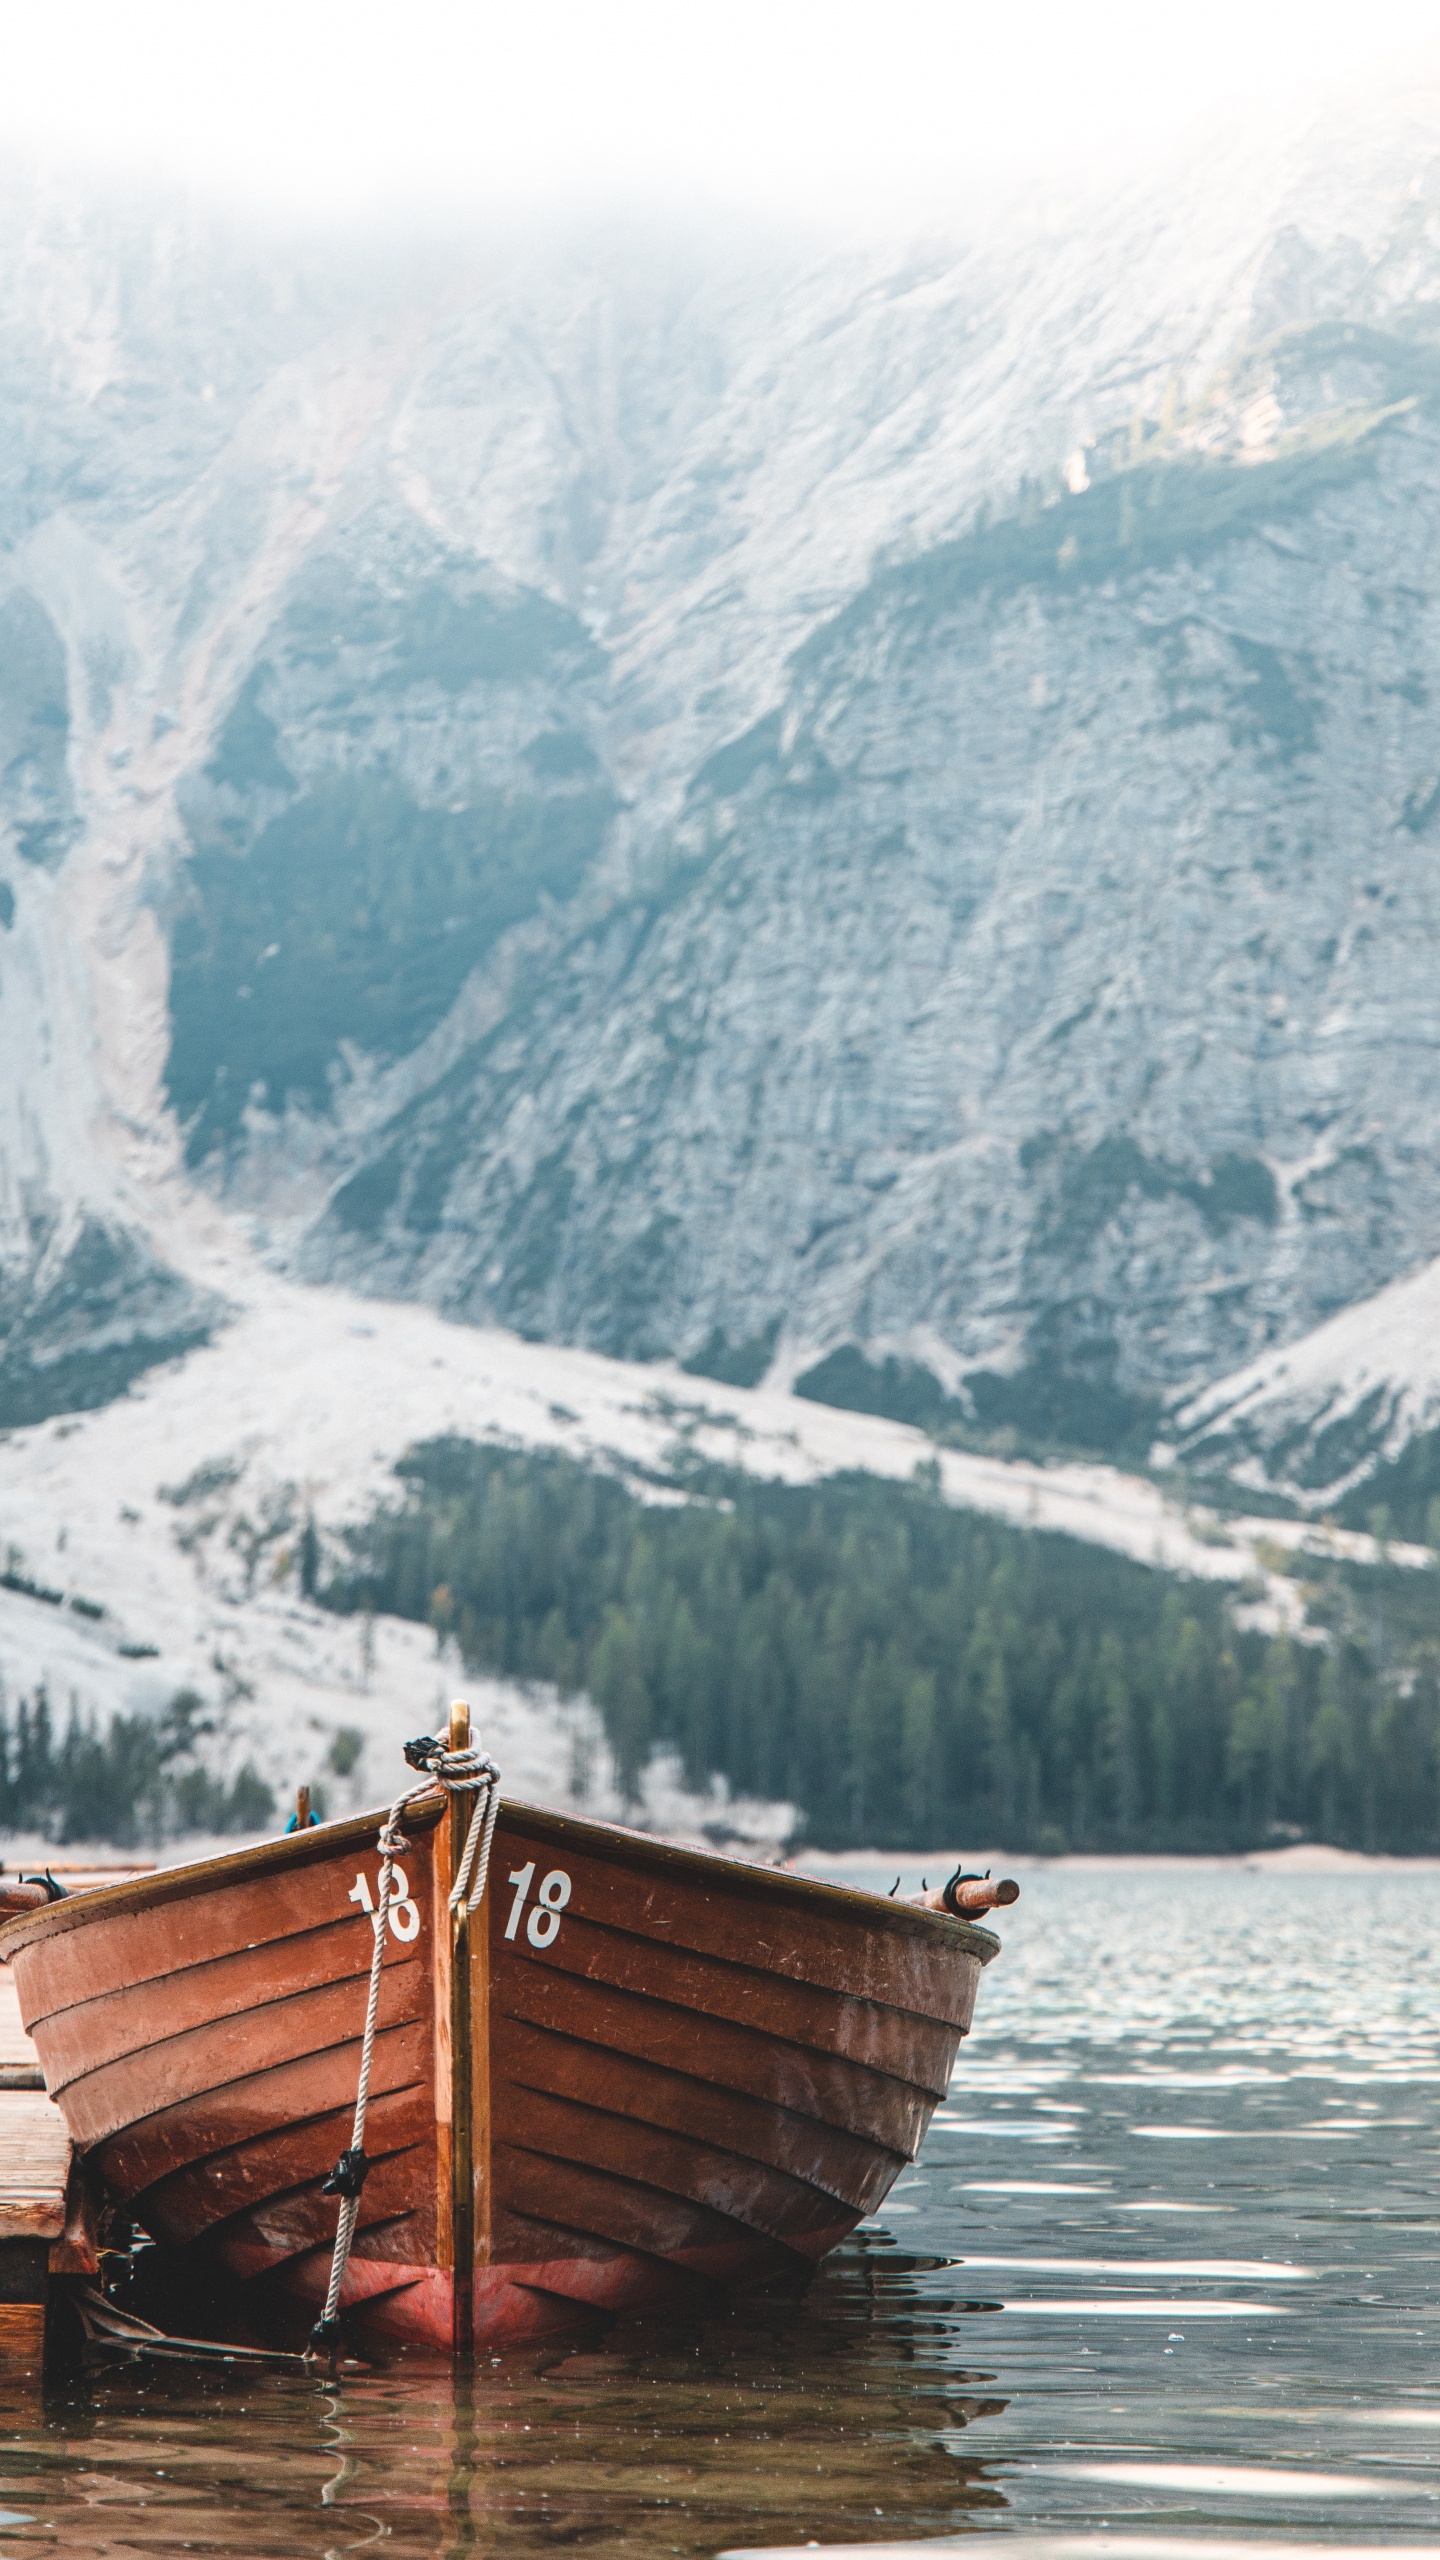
(233, 1866)
(740, 1875)
(302, 1848)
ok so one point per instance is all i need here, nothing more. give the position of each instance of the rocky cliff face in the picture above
(1028, 993)
(863, 815)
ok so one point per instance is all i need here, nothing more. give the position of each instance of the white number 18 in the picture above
(404, 1913)
(543, 1926)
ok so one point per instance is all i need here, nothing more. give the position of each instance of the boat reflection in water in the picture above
(759, 2421)
(636, 2073)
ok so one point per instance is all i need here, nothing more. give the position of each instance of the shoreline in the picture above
(1304, 1857)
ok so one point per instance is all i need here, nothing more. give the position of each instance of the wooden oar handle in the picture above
(16, 1897)
(978, 1893)
(965, 1897)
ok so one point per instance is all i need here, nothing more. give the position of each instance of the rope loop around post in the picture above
(465, 1772)
(460, 1773)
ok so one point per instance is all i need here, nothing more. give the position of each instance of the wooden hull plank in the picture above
(209, 2191)
(284, 2094)
(908, 2047)
(679, 2165)
(390, 2224)
(606, 2211)
(209, 2062)
(414, 2304)
(234, 1992)
(218, 2196)
(832, 2087)
(117, 2023)
(841, 2164)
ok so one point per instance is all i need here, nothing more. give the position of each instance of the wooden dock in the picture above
(44, 2229)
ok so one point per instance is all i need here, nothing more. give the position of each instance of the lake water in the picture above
(1164, 2280)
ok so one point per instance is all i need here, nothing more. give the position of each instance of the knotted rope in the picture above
(459, 1773)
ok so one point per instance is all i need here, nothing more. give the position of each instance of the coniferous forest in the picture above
(910, 1675)
(139, 1778)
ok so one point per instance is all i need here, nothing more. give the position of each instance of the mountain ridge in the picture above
(733, 804)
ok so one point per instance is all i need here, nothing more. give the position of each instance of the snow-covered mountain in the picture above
(157, 1545)
(723, 800)
(1342, 1409)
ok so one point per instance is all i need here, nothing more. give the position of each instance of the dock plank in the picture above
(18, 2057)
(34, 2166)
(35, 2149)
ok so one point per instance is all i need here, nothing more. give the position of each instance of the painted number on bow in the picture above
(404, 1913)
(543, 1926)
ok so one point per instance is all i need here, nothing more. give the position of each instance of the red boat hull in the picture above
(641, 2073)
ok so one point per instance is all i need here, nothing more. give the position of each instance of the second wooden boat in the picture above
(636, 2071)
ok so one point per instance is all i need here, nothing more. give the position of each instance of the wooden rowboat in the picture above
(635, 2072)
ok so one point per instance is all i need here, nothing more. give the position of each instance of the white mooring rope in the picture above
(460, 1773)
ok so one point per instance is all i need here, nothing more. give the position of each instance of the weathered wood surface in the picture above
(35, 2145)
(34, 2166)
(19, 2061)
